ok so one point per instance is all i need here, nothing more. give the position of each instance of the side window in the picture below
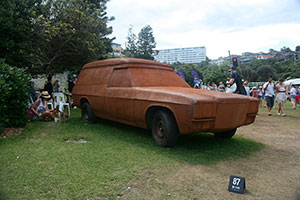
(120, 78)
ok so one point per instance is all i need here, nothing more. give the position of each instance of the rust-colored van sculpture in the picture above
(149, 94)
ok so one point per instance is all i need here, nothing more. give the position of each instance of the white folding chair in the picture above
(59, 100)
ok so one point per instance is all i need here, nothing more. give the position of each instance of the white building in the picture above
(117, 50)
(183, 55)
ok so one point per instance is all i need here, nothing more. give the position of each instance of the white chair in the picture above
(59, 100)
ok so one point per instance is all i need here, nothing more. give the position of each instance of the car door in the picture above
(119, 98)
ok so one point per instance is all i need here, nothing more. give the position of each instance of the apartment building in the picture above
(182, 55)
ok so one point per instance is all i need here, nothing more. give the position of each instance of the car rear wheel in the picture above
(226, 134)
(164, 129)
(87, 113)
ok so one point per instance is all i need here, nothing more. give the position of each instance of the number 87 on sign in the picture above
(237, 184)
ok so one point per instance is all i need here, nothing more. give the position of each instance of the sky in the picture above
(219, 25)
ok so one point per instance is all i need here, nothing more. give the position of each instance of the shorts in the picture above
(270, 101)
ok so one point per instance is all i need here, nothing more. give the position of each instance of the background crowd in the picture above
(268, 93)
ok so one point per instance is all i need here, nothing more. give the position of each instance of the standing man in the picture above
(269, 88)
(71, 83)
(236, 79)
(48, 85)
(236, 82)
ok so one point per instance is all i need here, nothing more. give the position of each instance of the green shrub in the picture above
(14, 95)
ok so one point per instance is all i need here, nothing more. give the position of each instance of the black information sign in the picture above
(237, 184)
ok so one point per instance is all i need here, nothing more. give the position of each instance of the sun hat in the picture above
(45, 95)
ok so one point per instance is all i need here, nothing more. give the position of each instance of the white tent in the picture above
(295, 81)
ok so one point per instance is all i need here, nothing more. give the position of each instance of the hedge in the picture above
(14, 96)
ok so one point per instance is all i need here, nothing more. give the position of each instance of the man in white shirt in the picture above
(269, 88)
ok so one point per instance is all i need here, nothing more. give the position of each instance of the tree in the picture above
(143, 46)
(249, 74)
(68, 34)
(130, 46)
(15, 30)
(264, 72)
(146, 43)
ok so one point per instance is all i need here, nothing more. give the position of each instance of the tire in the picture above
(87, 113)
(164, 129)
(226, 134)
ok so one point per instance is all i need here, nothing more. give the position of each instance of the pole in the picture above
(230, 58)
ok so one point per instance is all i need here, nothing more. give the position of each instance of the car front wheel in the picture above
(226, 134)
(87, 113)
(164, 129)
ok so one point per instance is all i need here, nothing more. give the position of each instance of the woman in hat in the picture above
(40, 109)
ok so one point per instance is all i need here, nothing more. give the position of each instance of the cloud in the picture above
(218, 42)
(219, 25)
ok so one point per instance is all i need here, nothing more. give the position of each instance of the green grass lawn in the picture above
(40, 164)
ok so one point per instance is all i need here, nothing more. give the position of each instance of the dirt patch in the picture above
(273, 173)
(8, 132)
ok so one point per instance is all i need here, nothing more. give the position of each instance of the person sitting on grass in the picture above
(39, 109)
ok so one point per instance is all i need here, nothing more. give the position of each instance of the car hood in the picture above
(188, 95)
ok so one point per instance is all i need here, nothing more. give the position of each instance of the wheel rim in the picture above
(160, 130)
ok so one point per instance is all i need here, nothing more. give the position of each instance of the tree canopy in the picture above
(15, 30)
(259, 70)
(57, 35)
(208, 73)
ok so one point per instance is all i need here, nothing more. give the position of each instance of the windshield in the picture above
(147, 77)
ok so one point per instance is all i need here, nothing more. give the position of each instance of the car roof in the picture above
(127, 62)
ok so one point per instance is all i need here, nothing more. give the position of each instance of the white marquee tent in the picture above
(295, 81)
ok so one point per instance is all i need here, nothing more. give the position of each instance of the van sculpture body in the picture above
(148, 94)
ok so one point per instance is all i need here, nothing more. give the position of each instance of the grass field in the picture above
(46, 162)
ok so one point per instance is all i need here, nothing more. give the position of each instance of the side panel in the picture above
(119, 97)
(92, 83)
(119, 103)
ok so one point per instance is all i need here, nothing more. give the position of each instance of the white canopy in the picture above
(295, 81)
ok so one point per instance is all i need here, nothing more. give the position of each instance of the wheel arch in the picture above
(84, 100)
(151, 111)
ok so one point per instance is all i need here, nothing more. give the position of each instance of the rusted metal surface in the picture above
(127, 90)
